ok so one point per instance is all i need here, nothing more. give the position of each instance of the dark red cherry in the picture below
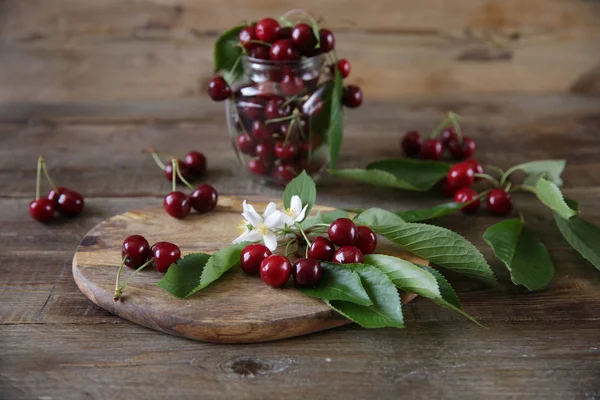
(261, 52)
(327, 40)
(462, 151)
(276, 109)
(348, 255)
(275, 270)
(367, 240)
(284, 50)
(321, 249)
(204, 198)
(285, 151)
(446, 189)
(303, 37)
(165, 254)
(466, 195)
(499, 202)
(290, 84)
(196, 163)
(135, 251)
(285, 33)
(477, 168)
(253, 108)
(70, 203)
(177, 205)
(261, 131)
(352, 96)
(411, 144)
(218, 89)
(246, 144)
(461, 176)
(256, 166)
(183, 169)
(343, 66)
(307, 272)
(265, 152)
(343, 232)
(284, 173)
(432, 149)
(252, 256)
(41, 210)
(247, 35)
(267, 30)
(447, 136)
(53, 194)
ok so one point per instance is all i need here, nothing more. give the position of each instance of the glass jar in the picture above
(278, 118)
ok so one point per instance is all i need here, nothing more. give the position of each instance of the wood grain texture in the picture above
(236, 309)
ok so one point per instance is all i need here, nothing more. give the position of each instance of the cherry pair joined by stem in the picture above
(203, 199)
(136, 251)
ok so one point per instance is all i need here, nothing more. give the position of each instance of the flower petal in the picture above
(270, 241)
(248, 236)
(251, 215)
(301, 215)
(296, 204)
(271, 208)
(273, 221)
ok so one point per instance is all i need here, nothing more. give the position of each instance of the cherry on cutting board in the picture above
(307, 272)
(204, 198)
(348, 255)
(135, 251)
(322, 249)
(177, 204)
(275, 270)
(343, 232)
(165, 254)
(252, 257)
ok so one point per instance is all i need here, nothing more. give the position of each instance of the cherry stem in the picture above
(119, 273)
(185, 181)
(507, 173)
(47, 175)
(496, 169)
(308, 242)
(482, 194)
(257, 42)
(281, 119)
(439, 128)
(453, 118)
(508, 186)
(293, 98)
(488, 178)
(287, 246)
(525, 188)
(175, 165)
(157, 160)
(119, 291)
(289, 130)
(38, 179)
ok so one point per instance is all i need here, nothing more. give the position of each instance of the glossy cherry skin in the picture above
(41, 210)
(477, 168)
(285, 151)
(343, 232)
(261, 131)
(302, 37)
(432, 149)
(284, 50)
(267, 30)
(465, 195)
(204, 198)
(165, 254)
(499, 202)
(352, 96)
(275, 270)
(343, 66)
(261, 53)
(196, 163)
(461, 176)
(412, 143)
(284, 173)
(285, 33)
(307, 272)
(265, 152)
(367, 240)
(177, 205)
(53, 194)
(246, 35)
(462, 151)
(70, 203)
(348, 255)
(327, 40)
(290, 84)
(218, 89)
(257, 167)
(447, 136)
(321, 249)
(275, 109)
(246, 144)
(135, 251)
(252, 256)
(446, 189)
(183, 168)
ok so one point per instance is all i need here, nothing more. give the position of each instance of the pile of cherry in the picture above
(203, 197)
(275, 269)
(137, 254)
(66, 202)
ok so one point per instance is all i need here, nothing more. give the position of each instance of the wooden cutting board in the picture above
(236, 309)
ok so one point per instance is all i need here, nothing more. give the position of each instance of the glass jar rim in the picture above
(261, 64)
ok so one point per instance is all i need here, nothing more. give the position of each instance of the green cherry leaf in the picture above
(386, 310)
(227, 54)
(302, 186)
(421, 174)
(549, 194)
(429, 213)
(523, 253)
(183, 276)
(582, 235)
(551, 169)
(374, 177)
(436, 244)
(335, 134)
(339, 283)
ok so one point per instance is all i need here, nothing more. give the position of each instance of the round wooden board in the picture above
(236, 309)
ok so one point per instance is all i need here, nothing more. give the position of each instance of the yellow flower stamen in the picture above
(290, 212)
(262, 229)
(242, 226)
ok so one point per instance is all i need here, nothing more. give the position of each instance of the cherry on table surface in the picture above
(348, 255)
(321, 249)
(183, 169)
(307, 272)
(196, 163)
(246, 144)
(447, 136)
(343, 66)
(284, 50)
(267, 30)
(275, 270)
(446, 189)
(302, 36)
(256, 166)
(177, 204)
(135, 250)
(367, 240)
(285, 151)
(477, 168)
(246, 36)
(464, 150)
(70, 203)
(432, 149)
(343, 232)
(261, 52)
(466, 195)
(252, 256)
(54, 194)
(218, 89)
(352, 96)
(42, 210)
(461, 176)
(411, 143)
(204, 198)
(165, 254)
(327, 40)
(499, 202)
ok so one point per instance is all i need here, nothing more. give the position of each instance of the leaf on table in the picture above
(302, 186)
(438, 245)
(386, 310)
(374, 177)
(430, 213)
(523, 253)
(183, 276)
(551, 169)
(226, 54)
(219, 263)
(582, 235)
(421, 174)
(335, 134)
(550, 195)
(339, 283)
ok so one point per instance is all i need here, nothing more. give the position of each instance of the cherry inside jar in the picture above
(278, 118)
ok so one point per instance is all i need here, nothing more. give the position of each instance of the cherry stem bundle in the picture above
(308, 242)
(119, 290)
(177, 170)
